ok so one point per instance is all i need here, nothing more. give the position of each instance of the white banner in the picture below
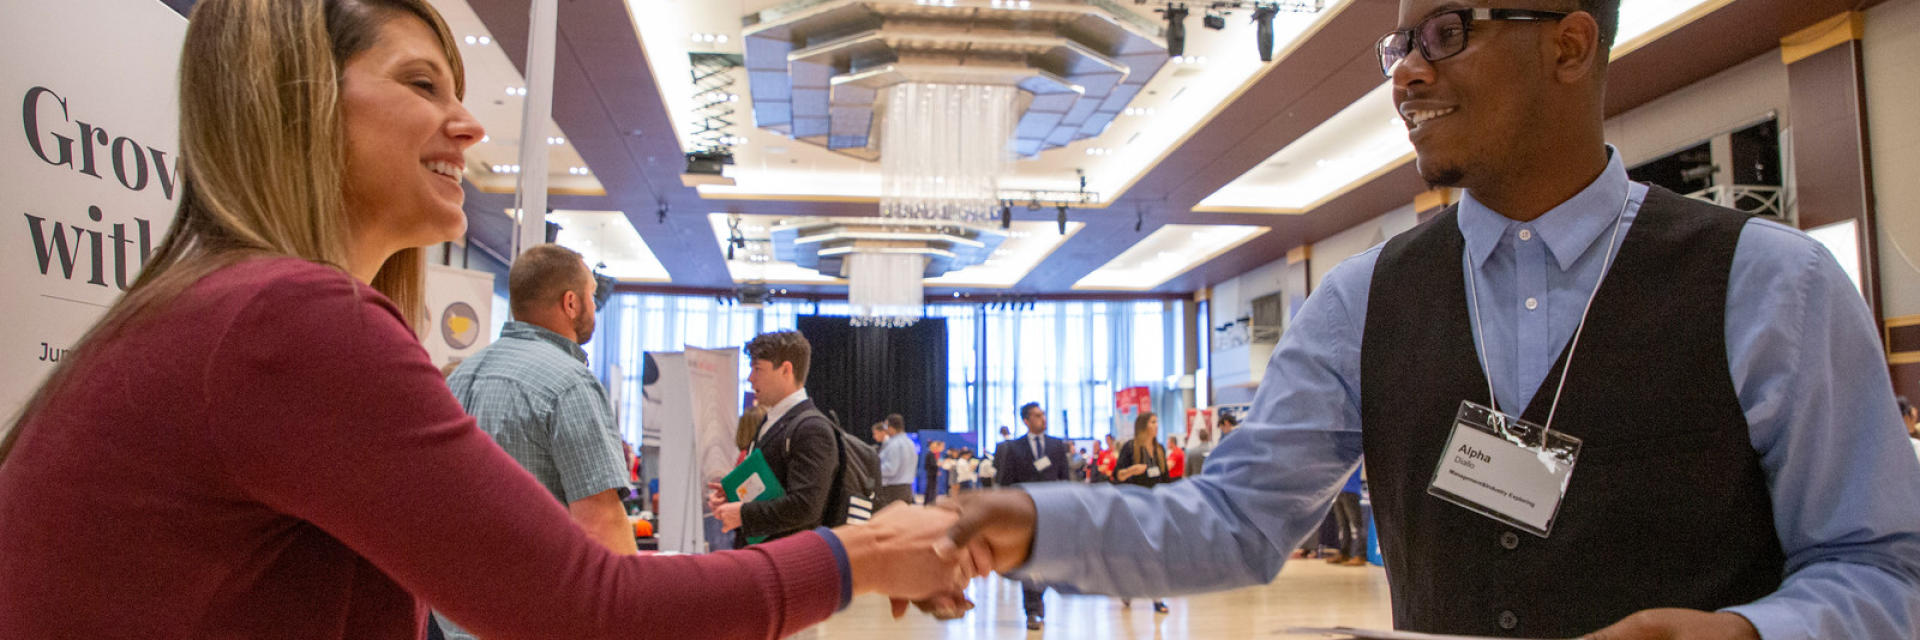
(89, 176)
(715, 384)
(667, 409)
(459, 313)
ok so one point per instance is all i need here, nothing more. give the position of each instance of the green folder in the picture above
(752, 481)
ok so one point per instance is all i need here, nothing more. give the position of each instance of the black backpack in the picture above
(850, 497)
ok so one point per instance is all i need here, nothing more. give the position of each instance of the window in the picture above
(1068, 356)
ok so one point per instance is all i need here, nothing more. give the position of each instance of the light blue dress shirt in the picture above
(1804, 357)
(898, 461)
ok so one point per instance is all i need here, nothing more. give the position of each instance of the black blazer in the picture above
(1013, 462)
(802, 452)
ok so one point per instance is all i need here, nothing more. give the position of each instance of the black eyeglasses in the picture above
(1444, 35)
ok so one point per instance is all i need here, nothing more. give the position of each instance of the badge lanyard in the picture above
(1480, 328)
(1489, 464)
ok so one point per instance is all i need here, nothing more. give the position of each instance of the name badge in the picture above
(1153, 472)
(1043, 464)
(1505, 468)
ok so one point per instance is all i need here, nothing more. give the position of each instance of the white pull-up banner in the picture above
(89, 170)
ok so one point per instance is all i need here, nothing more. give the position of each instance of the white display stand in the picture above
(694, 405)
(667, 409)
(89, 171)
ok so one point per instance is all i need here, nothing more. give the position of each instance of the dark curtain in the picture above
(862, 374)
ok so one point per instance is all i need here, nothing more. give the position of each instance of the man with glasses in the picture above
(1692, 407)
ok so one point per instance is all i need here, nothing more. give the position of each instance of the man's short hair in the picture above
(896, 422)
(781, 347)
(541, 275)
(1607, 14)
(1025, 408)
(1228, 418)
(879, 426)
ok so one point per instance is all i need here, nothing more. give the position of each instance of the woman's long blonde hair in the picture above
(263, 154)
(1147, 446)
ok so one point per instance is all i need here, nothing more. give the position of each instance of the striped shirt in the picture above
(532, 391)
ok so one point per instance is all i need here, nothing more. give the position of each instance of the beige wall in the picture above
(1891, 47)
(1330, 252)
(1729, 100)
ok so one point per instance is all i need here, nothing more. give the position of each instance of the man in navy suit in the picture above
(1033, 457)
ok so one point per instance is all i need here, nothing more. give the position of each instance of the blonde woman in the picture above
(748, 430)
(251, 443)
(1142, 462)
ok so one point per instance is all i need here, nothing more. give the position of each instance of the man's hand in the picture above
(727, 512)
(905, 553)
(996, 527)
(1678, 624)
(729, 515)
(991, 531)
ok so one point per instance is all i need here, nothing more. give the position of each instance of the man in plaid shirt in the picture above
(532, 391)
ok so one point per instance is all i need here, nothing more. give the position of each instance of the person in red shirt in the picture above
(1176, 458)
(297, 466)
(1106, 460)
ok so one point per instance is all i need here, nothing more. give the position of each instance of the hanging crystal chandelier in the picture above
(942, 155)
(944, 149)
(885, 289)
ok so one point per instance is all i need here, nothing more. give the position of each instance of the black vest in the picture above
(1668, 505)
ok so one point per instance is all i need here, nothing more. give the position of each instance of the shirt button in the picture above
(1526, 234)
(1510, 540)
(1533, 303)
(1508, 621)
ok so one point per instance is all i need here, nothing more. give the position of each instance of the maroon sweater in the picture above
(274, 456)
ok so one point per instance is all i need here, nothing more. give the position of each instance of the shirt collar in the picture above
(524, 331)
(779, 409)
(1568, 229)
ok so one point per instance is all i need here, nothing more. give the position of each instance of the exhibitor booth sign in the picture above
(89, 169)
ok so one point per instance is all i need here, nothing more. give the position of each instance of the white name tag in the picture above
(1499, 466)
(1153, 472)
(1043, 464)
(751, 488)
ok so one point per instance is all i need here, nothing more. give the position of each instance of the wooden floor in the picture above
(1308, 593)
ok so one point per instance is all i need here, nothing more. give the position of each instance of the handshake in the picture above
(926, 555)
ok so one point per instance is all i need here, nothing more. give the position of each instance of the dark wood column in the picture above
(1833, 174)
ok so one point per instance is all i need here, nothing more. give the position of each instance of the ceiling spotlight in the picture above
(1176, 15)
(1263, 25)
(1214, 21)
(1063, 218)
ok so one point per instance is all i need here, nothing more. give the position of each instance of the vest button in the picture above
(1533, 303)
(1508, 621)
(1510, 540)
